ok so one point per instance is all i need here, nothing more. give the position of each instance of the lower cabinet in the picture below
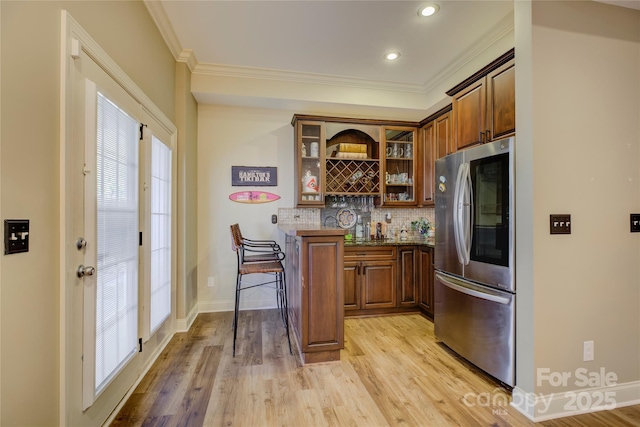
(314, 264)
(369, 278)
(425, 280)
(388, 279)
(408, 276)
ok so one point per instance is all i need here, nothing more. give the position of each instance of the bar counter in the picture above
(314, 266)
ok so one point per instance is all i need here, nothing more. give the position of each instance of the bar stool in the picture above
(259, 260)
(257, 250)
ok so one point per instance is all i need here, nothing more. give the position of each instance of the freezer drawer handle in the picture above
(482, 295)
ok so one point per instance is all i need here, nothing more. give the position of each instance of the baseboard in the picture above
(183, 325)
(218, 306)
(539, 407)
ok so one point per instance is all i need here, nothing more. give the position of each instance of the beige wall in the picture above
(240, 137)
(187, 123)
(30, 319)
(578, 151)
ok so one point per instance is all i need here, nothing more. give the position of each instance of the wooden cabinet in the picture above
(443, 138)
(369, 278)
(434, 143)
(501, 102)
(398, 166)
(484, 104)
(309, 163)
(387, 279)
(338, 157)
(408, 276)
(425, 280)
(314, 267)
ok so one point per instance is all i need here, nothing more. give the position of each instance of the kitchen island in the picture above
(314, 274)
(328, 276)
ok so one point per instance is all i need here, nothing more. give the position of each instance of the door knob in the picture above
(85, 271)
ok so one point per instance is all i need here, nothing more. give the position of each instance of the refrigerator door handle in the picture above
(451, 283)
(458, 214)
(468, 204)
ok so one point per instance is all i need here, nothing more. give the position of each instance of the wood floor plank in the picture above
(392, 372)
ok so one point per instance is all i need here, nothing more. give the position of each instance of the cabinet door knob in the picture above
(488, 135)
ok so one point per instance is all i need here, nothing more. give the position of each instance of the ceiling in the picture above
(334, 42)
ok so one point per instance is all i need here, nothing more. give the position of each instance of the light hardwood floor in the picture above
(392, 373)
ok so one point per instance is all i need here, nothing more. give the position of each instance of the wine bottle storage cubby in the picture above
(352, 176)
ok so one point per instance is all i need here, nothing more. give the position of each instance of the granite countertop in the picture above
(320, 230)
(311, 230)
(391, 242)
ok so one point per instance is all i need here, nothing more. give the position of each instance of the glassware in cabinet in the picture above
(399, 166)
(310, 163)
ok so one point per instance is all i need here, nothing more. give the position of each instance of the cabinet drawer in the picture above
(369, 253)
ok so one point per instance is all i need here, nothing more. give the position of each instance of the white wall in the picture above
(240, 137)
(578, 103)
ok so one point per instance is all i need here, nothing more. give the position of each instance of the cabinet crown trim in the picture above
(508, 56)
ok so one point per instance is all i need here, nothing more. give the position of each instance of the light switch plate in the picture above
(560, 224)
(635, 223)
(16, 236)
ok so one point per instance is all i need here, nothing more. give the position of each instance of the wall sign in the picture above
(255, 176)
(253, 197)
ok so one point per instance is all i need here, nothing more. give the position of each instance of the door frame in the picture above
(74, 40)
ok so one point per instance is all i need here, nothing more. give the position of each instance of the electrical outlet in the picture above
(635, 223)
(587, 351)
(210, 282)
(560, 223)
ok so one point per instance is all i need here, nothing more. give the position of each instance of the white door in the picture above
(117, 226)
(103, 170)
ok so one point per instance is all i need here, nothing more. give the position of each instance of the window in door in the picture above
(116, 299)
(160, 233)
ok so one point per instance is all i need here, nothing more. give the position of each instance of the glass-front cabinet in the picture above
(357, 160)
(399, 166)
(310, 163)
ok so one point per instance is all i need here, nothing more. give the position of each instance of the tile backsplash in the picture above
(327, 216)
(302, 216)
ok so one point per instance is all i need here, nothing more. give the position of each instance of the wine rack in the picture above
(345, 176)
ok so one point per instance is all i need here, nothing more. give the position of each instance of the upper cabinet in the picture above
(310, 163)
(399, 165)
(338, 158)
(434, 142)
(484, 104)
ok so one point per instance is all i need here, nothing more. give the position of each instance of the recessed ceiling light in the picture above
(428, 10)
(392, 56)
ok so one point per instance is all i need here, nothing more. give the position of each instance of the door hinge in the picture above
(140, 343)
(140, 239)
(142, 126)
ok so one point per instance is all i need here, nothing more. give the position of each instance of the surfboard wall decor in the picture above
(253, 197)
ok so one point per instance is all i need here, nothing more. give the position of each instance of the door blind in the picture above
(117, 246)
(160, 233)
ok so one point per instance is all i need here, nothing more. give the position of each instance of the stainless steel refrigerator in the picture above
(475, 290)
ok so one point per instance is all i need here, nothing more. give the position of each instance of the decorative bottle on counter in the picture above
(359, 228)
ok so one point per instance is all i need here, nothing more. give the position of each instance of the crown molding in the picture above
(159, 16)
(303, 77)
(187, 56)
(497, 33)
